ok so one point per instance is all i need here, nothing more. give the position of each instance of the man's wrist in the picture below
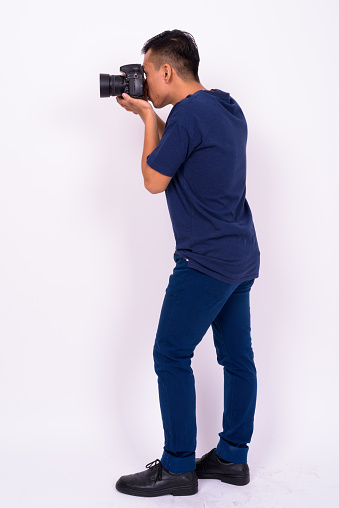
(148, 115)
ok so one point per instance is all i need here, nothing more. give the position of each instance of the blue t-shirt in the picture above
(203, 149)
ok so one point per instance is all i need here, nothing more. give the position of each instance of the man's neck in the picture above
(188, 88)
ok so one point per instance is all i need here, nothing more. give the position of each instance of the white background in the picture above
(86, 252)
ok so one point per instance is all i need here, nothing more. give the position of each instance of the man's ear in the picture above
(167, 72)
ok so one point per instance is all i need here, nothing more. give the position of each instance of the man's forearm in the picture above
(154, 181)
(151, 141)
(161, 126)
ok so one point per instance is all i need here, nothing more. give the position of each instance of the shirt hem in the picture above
(228, 280)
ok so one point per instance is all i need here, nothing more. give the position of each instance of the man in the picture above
(199, 159)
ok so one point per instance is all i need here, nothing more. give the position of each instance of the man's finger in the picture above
(123, 101)
(128, 98)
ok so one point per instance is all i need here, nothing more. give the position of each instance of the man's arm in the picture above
(161, 126)
(154, 181)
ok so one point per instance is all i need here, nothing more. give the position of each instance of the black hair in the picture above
(179, 49)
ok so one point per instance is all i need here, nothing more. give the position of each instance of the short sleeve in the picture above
(172, 150)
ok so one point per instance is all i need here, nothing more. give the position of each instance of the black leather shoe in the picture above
(157, 481)
(210, 466)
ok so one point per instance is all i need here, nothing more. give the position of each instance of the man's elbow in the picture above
(154, 181)
(153, 188)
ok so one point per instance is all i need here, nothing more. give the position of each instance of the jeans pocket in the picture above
(214, 287)
(178, 278)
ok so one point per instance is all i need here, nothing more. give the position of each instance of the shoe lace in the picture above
(156, 466)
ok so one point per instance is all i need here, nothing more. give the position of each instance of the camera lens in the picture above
(104, 85)
(111, 85)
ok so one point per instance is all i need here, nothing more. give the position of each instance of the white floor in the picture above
(66, 480)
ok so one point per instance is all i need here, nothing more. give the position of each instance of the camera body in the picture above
(132, 82)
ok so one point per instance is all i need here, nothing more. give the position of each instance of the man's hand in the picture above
(137, 106)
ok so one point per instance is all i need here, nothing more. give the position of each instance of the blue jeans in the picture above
(192, 303)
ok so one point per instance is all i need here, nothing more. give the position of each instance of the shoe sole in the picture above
(174, 491)
(240, 481)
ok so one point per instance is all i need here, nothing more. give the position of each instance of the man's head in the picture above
(176, 48)
(171, 60)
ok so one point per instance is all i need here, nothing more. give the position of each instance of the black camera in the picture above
(132, 82)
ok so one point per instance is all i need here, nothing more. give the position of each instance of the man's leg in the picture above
(191, 304)
(232, 338)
